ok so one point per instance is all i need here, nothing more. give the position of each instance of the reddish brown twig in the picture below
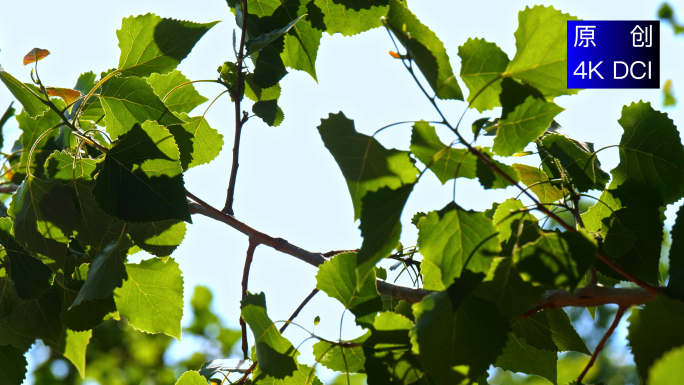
(599, 347)
(253, 243)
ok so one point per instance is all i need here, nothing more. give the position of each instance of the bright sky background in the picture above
(289, 186)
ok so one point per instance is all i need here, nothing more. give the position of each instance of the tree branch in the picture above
(253, 243)
(239, 120)
(599, 347)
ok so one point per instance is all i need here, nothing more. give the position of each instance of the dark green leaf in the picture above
(13, 365)
(524, 124)
(258, 43)
(654, 330)
(468, 337)
(31, 277)
(26, 94)
(106, 273)
(39, 317)
(158, 238)
(557, 259)
(8, 297)
(425, 48)
(518, 356)
(91, 312)
(275, 354)
(482, 65)
(268, 64)
(152, 296)
(581, 165)
(651, 155)
(516, 226)
(380, 226)
(269, 112)
(256, 93)
(351, 17)
(262, 8)
(454, 239)
(131, 100)
(183, 99)
(675, 285)
(141, 179)
(364, 162)
(86, 82)
(10, 337)
(9, 113)
(44, 218)
(506, 289)
(537, 181)
(550, 330)
(338, 279)
(198, 143)
(92, 223)
(152, 44)
(541, 56)
(491, 179)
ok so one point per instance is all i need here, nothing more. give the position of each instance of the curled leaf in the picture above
(67, 94)
(35, 55)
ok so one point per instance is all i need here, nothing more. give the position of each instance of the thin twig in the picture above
(253, 243)
(618, 316)
(239, 120)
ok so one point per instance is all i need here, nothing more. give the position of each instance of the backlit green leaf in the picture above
(152, 296)
(183, 99)
(44, 219)
(198, 143)
(675, 285)
(301, 48)
(668, 369)
(331, 356)
(516, 226)
(454, 239)
(31, 130)
(141, 178)
(75, 349)
(338, 279)
(26, 94)
(159, 238)
(351, 17)
(106, 273)
(537, 181)
(131, 100)
(425, 48)
(275, 354)
(541, 56)
(152, 44)
(92, 310)
(581, 165)
(262, 8)
(364, 162)
(304, 375)
(191, 377)
(482, 65)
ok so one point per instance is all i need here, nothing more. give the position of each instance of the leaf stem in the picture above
(239, 120)
(599, 347)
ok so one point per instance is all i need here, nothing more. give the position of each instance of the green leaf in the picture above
(85, 82)
(198, 143)
(651, 154)
(537, 181)
(524, 124)
(518, 356)
(301, 48)
(454, 239)
(258, 43)
(380, 226)
(557, 259)
(269, 112)
(304, 375)
(506, 289)
(550, 330)
(516, 226)
(26, 94)
(256, 93)
(93, 309)
(39, 317)
(8, 298)
(9, 113)
(669, 99)
(425, 49)
(472, 333)
(13, 365)
(351, 17)
(633, 236)
(541, 56)
(152, 44)
(603, 208)
(32, 129)
(191, 377)
(141, 178)
(183, 99)
(364, 162)
(75, 349)
(339, 358)
(44, 219)
(10, 337)
(158, 238)
(106, 273)
(654, 330)
(448, 163)
(92, 224)
(338, 279)
(31, 277)
(668, 369)
(152, 296)
(268, 65)
(131, 100)
(275, 354)
(481, 68)
(582, 166)
(675, 285)
(262, 8)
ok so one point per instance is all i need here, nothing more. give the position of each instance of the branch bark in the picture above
(253, 243)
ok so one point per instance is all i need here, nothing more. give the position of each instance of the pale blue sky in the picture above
(288, 185)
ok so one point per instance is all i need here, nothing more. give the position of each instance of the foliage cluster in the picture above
(98, 173)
